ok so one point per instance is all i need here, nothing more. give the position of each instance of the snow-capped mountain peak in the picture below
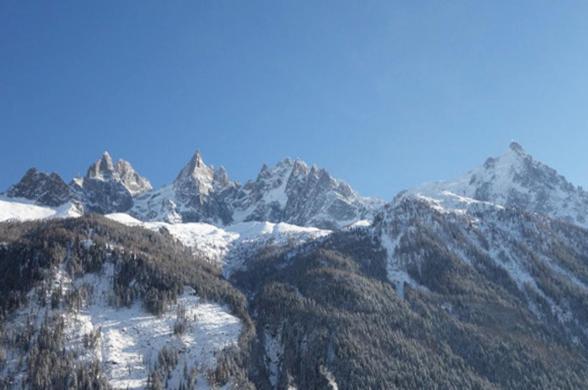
(291, 191)
(196, 195)
(515, 180)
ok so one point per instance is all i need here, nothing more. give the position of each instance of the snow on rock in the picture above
(513, 180)
(291, 192)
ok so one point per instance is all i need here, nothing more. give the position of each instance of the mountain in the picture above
(46, 189)
(295, 193)
(516, 180)
(290, 192)
(89, 303)
(107, 187)
(197, 195)
(485, 297)
(133, 182)
(474, 283)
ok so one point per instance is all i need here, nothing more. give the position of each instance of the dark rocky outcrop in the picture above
(46, 189)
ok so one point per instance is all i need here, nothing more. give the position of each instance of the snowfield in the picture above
(24, 210)
(225, 246)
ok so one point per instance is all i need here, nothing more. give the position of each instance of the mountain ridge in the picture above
(290, 191)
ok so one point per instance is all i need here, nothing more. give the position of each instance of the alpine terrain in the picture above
(293, 280)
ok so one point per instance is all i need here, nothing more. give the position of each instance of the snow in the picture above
(514, 179)
(329, 377)
(125, 219)
(22, 210)
(446, 202)
(253, 230)
(129, 337)
(396, 274)
(500, 175)
(360, 224)
(158, 205)
(224, 246)
(274, 351)
(277, 193)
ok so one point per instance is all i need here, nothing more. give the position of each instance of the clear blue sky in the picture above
(384, 94)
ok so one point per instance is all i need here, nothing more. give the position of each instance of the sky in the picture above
(383, 94)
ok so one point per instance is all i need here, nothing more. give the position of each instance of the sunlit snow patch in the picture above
(21, 210)
(225, 246)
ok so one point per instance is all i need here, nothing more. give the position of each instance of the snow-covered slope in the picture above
(514, 180)
(126, 342)
(24, 210)
(227, 246)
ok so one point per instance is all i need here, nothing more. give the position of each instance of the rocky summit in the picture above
(42, 188)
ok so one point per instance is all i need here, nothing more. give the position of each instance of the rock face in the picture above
(295, 193)
(289, 192)
(109, 188)
(515, 180)
(43, 188)
(134, 183)
(198, 194)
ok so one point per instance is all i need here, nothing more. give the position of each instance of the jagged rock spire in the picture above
(194, 169)
(105, 169)
(135, 183)
(102, 169)
(195, 179)
(516, 147)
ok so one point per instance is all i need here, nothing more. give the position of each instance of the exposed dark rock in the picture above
(44, 188)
